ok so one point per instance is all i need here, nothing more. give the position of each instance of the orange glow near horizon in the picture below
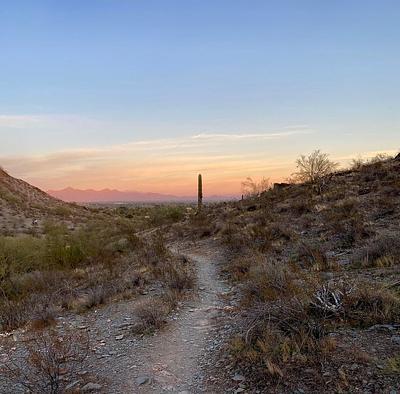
(170, 166)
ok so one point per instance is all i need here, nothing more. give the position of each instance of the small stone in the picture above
(119, 337)
(91, 387)
(72, 385)
(396, 339)
(326, 374)
(140, 380)
(238, 378)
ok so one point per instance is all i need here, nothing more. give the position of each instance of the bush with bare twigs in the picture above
(314, 168)
(252, 188)
(47, 357)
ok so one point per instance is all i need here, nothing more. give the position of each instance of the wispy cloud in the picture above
(251, 136)
(166, 165)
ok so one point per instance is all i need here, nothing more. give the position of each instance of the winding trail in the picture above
(177, 358)
(171, 360)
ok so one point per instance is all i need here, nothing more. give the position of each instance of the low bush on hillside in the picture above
(153, 215)
(48, 358)
(290, 321)
(381, 251)
(152, 312)
(81, 269)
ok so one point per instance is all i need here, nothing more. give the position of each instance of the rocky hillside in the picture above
(319, 278)
(24, 207)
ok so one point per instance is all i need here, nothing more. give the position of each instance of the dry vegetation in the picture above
(317, 262)
(71, 258)
(58, 259)
(49, 359)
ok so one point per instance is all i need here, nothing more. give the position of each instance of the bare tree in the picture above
(252, 188)
(314, 168)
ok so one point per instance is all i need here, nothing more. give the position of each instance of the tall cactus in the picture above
(199, 192)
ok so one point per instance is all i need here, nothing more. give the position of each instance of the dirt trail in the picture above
(170, 361)
(175, 359)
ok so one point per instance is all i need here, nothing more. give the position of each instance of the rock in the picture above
(280, 186)
(238, 378)
(81, 373)
(396, 339)
(91, 387)
(239, 390)
(251, 208)
(119, 337)
(397, 158)
(125, 325)
(141, 380)
(72, 385)
(382, 327)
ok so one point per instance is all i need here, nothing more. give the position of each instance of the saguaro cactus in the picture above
(199, 192)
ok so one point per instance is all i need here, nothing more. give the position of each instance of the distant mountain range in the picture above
(70, 194)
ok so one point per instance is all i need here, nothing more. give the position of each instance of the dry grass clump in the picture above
(152, 312)
(346, 221)
(279, 336)
(255, 237)
(269, 280)
(371, 304)
(291, 314)
(47, 359)
(232, 236)
(239, 266)
(382, 251)
(313, 257)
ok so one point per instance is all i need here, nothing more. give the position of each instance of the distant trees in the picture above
(314, 168)
(252, 188)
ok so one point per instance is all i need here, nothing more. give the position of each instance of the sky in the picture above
(143, 95)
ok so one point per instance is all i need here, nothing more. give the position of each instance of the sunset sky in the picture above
(143, 95)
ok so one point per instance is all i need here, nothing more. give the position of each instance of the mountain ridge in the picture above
(70, 194)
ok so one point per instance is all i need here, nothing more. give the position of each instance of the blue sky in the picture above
(99, 73)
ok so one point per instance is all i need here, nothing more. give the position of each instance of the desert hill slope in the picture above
(21, 204)
(319, 278)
